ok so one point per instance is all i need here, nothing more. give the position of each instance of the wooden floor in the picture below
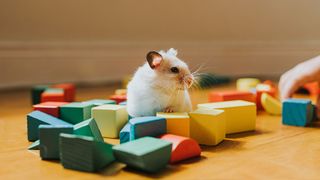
(272, 151)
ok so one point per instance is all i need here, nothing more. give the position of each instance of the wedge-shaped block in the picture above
(297, 112)
(36, 118)
(69, 91)
(147, 126)
(88, 128)
(208, 126)
(231, 95)
(271, 104)
(240, 115)
(52, 108)
(125, 134)
(99, 102)
(245, 84)
(75, 112)
(177, 123)
(110, 119)
(147, 153)
(36, 92)
(182, 147)
(118, 98)
(83, 153)
(49, 140)
(53, 94)
(35, 145)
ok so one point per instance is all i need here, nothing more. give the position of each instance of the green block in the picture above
(35, 145)
(88, 128)
(99, 102)
(49, 140)
(83, 153)
(148, 154)
(36, 92)
(75, 112)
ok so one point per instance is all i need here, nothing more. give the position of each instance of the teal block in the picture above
(148, 154)
(88, 128)
(297, 112)
(99, 102)
(147, 126)
(36, 118)
(125, 134)
(83, 153)
(49, 140)
(36, 92)
(75, 112)
(35, 145)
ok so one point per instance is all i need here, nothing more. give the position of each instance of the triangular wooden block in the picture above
(88, 128)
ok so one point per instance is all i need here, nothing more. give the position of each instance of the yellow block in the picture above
(207, 126)
(271, 104)
(121, 92)
(110, 119)
(125, 81)
(177, 123)
(246, 84)
(240, 115)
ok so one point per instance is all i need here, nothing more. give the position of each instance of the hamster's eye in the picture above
(174, 70)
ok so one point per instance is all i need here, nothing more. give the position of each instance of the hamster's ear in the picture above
(172, 51)
(154, 59)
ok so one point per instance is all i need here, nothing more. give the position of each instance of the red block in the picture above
(231, 95)
(118, 98)
(52, 108)
(264, 88)
(69, 90)
(182, 147)
(53, 96)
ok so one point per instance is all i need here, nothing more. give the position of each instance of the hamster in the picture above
(160, 85)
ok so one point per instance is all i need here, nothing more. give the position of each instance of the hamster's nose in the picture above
(189, 80)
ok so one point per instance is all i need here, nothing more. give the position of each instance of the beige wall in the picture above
(99, 40)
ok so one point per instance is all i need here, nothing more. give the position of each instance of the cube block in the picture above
(52, 108)
(297, 112)
(177, 123)
(88, 128)
(69, 91)
(147, 126)
(75, 112)
(232, 95)
(53, 94)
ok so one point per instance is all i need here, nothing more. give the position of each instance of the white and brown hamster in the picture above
(160, 85)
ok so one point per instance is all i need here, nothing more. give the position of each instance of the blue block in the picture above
(297, 112)
(125, 134)
(36, 118)
(147, 126)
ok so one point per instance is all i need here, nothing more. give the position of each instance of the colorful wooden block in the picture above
(125, 134)
(245, 84)
(148, 154)
(53, 94)
(271, 104)
(264, 88)
(35, 145)
(83, 153)
(110, 119)
(182, 147)
(315, 113)
(119, 98)
(240, 115)
(52, 108)
(147, 126)
(69, 91)
(75, 112)
(231, 95)
(297, 112)
(208, 126)
(36, 92)
(124, 103)
(36, 118)
(312, 88)
(49, 140)
(121, 92)
(88, 128)
(99, 102)
(125, 81)
(177, 123)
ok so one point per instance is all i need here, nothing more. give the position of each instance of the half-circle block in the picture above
(182, 147)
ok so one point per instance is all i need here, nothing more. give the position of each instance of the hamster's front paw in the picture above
(168, 110)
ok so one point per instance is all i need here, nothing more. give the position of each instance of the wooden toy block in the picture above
(182, 147)
(231, 95)
(35, 145)
(88, 128)
(99, 102)
(297, 112)
(264, 88)
(110, 119)
(240, 115)
(83, 153)
(315, 113)
(53, 94)
(125, 134)
(208, 126)
(75, 112)
(245, 84)
(271, 104)
(52, 108)
(36, 118)
(69, 91)
(148, 154)
(125, 81)
(147, 126)
(119, 98)
(121, 92)
(49, 140)
(312, 88)
(177, 123)
(36, 92)
(124, 103)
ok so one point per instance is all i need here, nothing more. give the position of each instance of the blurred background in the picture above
(101, 41)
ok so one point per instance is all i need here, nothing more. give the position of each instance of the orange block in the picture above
(264, 88)
(231, 95)
(118, 98)
(69, 90)
(182, 147)
(313, 88)
(52, 108)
